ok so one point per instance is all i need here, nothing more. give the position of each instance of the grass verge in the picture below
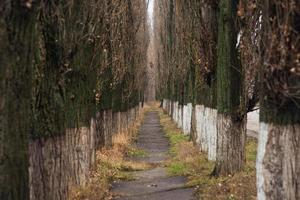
(187, 160)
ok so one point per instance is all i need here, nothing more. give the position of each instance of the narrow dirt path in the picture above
(154, 184)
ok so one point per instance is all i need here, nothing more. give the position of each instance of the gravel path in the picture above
(153, 184)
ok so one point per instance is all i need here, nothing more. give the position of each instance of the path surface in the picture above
(153, 184)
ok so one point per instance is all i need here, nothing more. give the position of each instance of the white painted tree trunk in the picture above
(175, 111)
(180, 113)
(278, 162)
(231, 139)
(165, 103)
(170, 108)
(187, 118)
(206, 129)
(205, 124)
(58, 163)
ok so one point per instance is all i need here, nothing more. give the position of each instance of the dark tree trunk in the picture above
(231, 122)
(16, 46)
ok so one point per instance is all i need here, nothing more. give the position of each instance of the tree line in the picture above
(226, 57)
(62, 62)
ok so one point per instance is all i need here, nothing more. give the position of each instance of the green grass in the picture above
(180, 149)
(175, 138)
(134, 152)
(251, 150)
(174, 134)
(177, 168)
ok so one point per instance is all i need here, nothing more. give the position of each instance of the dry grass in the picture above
(187, 160)
(112, 164)
(239, 186)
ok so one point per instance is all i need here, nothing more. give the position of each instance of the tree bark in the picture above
(231, 139)
(58, 163)
(278, 156)
(231, 127)
(278, 162)
(206, 129)
(16, 41)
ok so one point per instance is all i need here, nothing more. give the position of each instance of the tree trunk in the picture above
(231, 137)
(231, 127)
(206, 129)
(278, 157)
(278, 162)
(16, 41)
(57, 163)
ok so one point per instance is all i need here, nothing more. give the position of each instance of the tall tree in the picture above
(61, 62)
(231, 130)
(205, 52)
(278, 160)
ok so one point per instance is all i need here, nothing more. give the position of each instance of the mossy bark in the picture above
(231, 122)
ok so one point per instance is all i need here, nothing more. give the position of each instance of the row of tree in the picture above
(231, 55)
(61, 62)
